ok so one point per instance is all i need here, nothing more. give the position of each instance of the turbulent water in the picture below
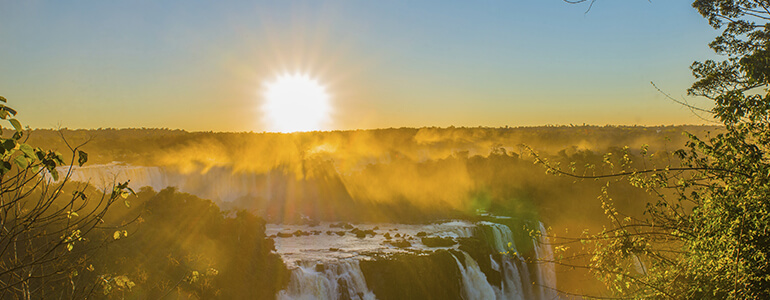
(330, 261)
(323, 261)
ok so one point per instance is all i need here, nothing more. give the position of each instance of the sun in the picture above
(295, 102)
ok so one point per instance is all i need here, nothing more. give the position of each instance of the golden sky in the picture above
(203, 66)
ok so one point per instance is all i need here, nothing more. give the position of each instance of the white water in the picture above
(501, 238)
(316, 248)
(512, 281)
(475, 284)
(546, 267)
(341, 269)
(340, 278)
(337, 253)
(517, 282)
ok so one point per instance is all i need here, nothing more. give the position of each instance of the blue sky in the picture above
(199, 65)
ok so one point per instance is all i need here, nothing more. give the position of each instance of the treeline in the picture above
(147, 146)
(171, 245)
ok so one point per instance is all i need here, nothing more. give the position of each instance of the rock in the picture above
(400, 243)
(340, 233)
(362, 233)
(438, 241)
(387, 235)
(409, 276)
(284, 234)
(421, 234)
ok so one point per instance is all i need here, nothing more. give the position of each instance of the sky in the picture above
(203, 65)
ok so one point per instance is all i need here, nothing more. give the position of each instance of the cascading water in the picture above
(512, 279)
(323, 273)
(546, 267)
(342, 277)
(475, 283)
(516, 280)
(501, 235)
(338, 280)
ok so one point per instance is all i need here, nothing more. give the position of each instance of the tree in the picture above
(708, 234)
(45, 223)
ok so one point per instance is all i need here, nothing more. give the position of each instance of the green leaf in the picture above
(116, 235)
(16, 124)
(3, 99)
(21, 161)
(59, 158)
(82, 158)
(9, 144)
(9, 110)
(40, 154)
(54, 174)
(70, 246)
(27, 150)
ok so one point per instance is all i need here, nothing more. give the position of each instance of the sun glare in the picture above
(295, 102)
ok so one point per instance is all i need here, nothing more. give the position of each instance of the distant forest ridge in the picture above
(165, 147)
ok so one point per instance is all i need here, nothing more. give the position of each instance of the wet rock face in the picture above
(409, 276)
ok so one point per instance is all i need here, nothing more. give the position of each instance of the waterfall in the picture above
(546, 275)
(475, 282)
(512, 280)
(500, 237)
(338, 280)
(516, 277)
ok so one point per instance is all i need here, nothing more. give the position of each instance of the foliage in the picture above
(186, 247)
(706, 237)
(45, 228)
